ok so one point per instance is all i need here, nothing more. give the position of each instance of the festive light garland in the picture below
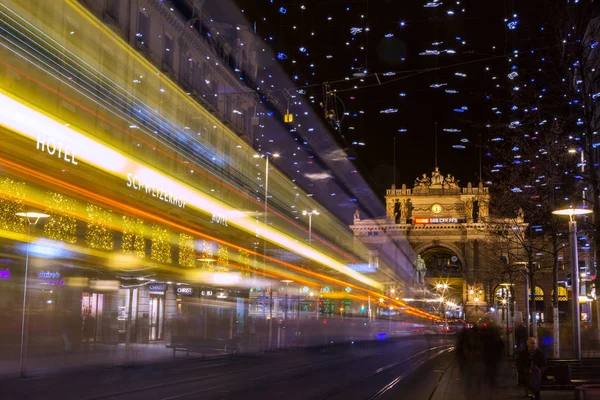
(59, 225)
(222, 258)
(207, 260)
(161, 245)
(11, 203)
(187, 254)
(133, 241)
(244, 260)
(98, 234)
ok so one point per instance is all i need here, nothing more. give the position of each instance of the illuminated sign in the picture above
(5, 274)
(57, 148)
(49, 275)
(206, 293)
(168, 197)
(436, 221)
(51, 278)
(444, 220)
(219, 218)
(157, 287)
(185, 290)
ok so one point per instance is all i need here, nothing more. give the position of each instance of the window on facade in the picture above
(168, 51)
(143, 31)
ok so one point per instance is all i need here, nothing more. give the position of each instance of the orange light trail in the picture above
(153, 217)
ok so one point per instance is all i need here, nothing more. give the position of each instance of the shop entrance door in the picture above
(91, 310)
(157, 312)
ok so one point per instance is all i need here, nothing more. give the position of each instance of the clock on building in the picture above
(436, 208)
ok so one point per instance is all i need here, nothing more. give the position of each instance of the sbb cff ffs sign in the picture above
(185, 290)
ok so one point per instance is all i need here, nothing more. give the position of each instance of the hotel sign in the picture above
(139, 184)
(56, 148)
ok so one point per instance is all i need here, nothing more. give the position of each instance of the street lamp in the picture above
(310, 214)
(571, 212)
(32, 220)
(266, 157)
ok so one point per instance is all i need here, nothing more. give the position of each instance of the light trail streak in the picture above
(217, 180)
(30, 123)
(170, 222)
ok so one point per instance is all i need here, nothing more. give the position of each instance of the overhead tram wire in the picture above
(411, 73)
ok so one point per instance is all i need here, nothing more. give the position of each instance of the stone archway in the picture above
(442, 262)
(422, 248)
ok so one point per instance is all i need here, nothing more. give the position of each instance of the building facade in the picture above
(130, 126)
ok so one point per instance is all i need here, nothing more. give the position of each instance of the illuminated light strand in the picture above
(133, 241)
(98, 234)
(187, 253)
(12, 195)
(59, 225)
(222, 258)
(161, 244)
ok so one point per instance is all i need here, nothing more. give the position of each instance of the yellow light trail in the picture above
(36, 125)
(54, 182)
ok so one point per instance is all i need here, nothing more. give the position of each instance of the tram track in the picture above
(421, 358)
(149, 388)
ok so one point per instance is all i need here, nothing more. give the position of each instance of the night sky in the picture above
(316, 44)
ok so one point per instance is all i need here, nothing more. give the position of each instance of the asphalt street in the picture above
(375, 370)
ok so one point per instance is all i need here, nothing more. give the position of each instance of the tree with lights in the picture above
(554, 119)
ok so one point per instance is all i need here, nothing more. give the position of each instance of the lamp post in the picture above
(266, 157)
(571, 212)
(310, 214)
(32, 220)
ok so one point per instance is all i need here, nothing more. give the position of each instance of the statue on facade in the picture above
(420, 270)
(450, 182)
(437, 178)
(407, 208)
(476, 210)
(423, 182)
(469, 208)
(397, 211)
(484, 210)
(357, 215)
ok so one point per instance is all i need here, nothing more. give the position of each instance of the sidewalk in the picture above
(94, 355)
(453, 387)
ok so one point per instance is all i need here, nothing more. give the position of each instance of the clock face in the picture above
(436, 208)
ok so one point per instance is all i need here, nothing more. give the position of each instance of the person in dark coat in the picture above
(531, 363)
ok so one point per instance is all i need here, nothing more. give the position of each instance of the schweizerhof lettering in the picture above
(138, 184)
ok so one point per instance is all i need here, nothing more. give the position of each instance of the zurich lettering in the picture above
(56, 148)
(135, 182)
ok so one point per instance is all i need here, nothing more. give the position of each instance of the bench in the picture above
(587, 392)
(567, 374)
(204, 347)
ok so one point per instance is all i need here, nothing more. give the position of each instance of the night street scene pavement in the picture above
(326, 199)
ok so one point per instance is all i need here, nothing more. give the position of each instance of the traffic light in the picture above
(362, 307)
(320, 306)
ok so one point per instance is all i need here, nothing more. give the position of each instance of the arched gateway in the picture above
(445, 224)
